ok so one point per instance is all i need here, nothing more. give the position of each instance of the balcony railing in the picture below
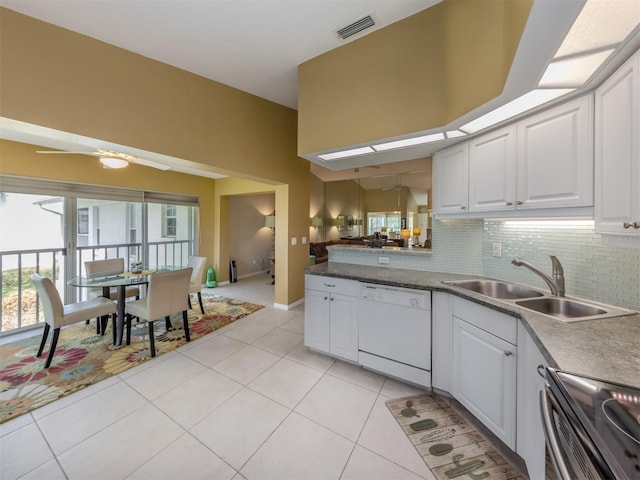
(20, 306)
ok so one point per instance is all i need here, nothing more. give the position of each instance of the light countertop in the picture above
(606, 348)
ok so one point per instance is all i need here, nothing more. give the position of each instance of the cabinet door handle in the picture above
(540, 369)
(509, 204)
(636, 225)
(508, 353)
(332, 299)
(326, 298)
(519, 202)
(627, 225)
(463, 207)
(329, 285)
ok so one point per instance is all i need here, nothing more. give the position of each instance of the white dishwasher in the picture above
(395, 332)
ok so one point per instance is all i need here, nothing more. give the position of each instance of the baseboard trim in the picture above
(291, 306)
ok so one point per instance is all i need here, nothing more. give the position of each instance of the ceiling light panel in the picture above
(515, 107)
(573, 72)
(408, 142)
(601, 23)
(455, 134)
(346, 153)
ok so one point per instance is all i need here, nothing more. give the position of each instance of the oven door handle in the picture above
(547, 405)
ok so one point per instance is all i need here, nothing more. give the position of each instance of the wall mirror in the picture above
(358, 202)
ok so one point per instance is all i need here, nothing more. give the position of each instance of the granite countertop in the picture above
(605, 348)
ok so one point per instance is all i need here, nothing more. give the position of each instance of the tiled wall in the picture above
(594, 269)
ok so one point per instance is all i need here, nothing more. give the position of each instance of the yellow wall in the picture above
(414, 75)
(480, 38)
(63, 80)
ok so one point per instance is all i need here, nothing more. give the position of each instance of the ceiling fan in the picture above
(398, 185)
(112, 159)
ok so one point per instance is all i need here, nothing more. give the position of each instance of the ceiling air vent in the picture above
(356, 27)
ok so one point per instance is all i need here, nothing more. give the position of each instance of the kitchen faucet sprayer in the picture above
(555, 281)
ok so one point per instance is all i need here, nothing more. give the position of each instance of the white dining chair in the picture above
(167, 294)
(195, 285)
(105, 268)
(57, 315)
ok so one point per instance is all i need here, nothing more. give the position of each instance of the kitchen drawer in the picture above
(497, 323)
(332, 284)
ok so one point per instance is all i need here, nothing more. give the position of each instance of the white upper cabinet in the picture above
(555, 157)
(492, 171)
(617, 151)
(543, 162)
(451, 172)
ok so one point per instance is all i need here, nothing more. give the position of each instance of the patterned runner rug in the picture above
(450, 446)
(83, 358)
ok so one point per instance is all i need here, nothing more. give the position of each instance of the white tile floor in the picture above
(248, 401)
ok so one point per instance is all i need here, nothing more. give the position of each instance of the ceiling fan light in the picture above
(113, 162)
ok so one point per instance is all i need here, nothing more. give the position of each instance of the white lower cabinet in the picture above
(343, 337)
(441, 356)
(331, 318)
(484, 377)
(530, 434)
(484, 358)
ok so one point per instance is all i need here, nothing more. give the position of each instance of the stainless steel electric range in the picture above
(592, 426)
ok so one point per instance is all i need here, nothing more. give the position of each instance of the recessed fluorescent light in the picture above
(408, 142)
(346, 153)
(455, 134)
(601, 24)
(572, 72)
(521, 104)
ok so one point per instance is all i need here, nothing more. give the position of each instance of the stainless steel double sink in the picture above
(565, 309)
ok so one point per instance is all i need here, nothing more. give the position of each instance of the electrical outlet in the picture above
(496, 249)
(304, 240)
(294, 241)
(383, 260)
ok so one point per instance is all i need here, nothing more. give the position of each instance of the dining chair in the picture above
(105, 268)
(195, 286)
(57, 315)
(167, 294)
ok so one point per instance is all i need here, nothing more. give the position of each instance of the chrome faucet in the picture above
(555, 281)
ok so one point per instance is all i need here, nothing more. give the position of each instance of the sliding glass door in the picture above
(32, 240)
(54, 228)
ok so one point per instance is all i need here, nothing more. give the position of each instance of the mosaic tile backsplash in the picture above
(593, 268)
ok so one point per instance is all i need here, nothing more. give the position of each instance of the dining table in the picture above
(121, 281)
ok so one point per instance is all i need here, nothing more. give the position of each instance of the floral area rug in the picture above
(449, 445)
(83, 358)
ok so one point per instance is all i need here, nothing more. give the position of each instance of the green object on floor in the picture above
(211, 278)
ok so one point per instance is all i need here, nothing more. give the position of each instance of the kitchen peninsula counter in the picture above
(604, 348)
